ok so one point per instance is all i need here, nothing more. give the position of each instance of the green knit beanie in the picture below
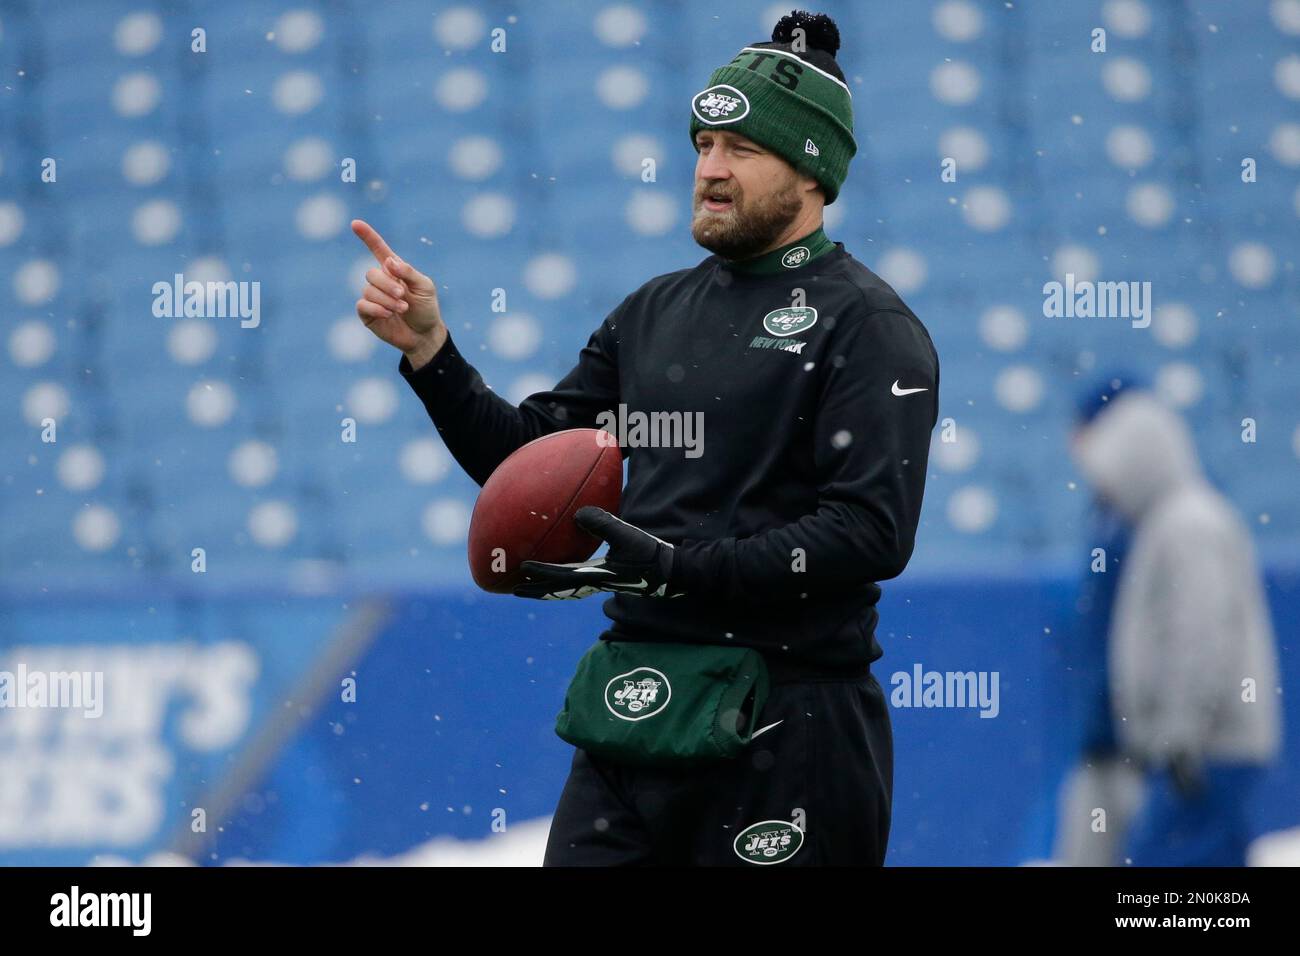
(788, 96)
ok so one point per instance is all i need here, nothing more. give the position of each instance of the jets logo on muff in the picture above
(772, 841)
(638, 694)
(719, 105)
(790, 320)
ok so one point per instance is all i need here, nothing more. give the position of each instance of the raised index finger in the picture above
(373, 240)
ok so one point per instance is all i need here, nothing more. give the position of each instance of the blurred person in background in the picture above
(1192, 657)
(1097, 775)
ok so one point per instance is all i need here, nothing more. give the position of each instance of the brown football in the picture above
(525, 510)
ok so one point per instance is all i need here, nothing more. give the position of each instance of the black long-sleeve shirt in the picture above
(808, 489)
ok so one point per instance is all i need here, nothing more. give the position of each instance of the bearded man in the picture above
(729, 714)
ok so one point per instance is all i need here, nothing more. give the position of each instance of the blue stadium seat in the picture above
(245, 178)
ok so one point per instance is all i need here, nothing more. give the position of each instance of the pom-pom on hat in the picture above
(788, 95)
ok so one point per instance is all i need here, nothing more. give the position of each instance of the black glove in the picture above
(637, 563)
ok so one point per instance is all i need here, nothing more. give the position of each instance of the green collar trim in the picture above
(788, 258)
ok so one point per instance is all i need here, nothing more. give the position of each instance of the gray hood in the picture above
(1136, 453)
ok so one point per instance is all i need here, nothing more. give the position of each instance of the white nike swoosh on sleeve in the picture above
(762, 730)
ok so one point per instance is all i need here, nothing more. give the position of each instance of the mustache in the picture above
(704, 191)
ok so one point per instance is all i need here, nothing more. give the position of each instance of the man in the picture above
(818, 388)
(1193, 661)
(1098, 775)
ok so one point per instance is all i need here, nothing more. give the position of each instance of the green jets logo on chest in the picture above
(772, 841)
(790, 320)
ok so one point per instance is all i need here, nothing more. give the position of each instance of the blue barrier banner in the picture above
(310, 730)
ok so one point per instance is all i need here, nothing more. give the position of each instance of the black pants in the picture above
(826, 768)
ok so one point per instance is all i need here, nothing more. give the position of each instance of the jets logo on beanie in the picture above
(788, 95)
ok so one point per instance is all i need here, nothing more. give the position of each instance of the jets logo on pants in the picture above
(772, 841)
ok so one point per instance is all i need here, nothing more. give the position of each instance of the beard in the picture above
(748, 227)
